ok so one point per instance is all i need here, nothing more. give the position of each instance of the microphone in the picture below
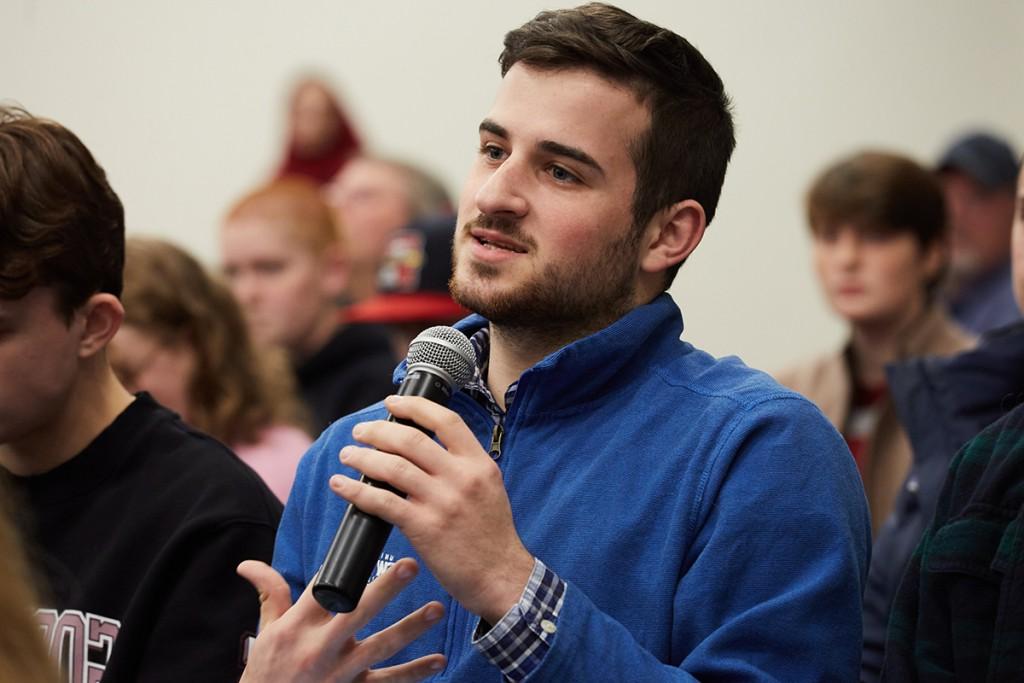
(440, 360)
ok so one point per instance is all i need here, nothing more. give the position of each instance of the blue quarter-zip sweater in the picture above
(710, 524)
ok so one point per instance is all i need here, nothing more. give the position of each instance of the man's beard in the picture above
(564, 301)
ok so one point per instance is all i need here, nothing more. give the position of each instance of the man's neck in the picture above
(514, 350)
(95, 400)
(326, 327)
(875, 345)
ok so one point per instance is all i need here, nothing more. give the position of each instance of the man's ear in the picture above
(672, 235)
(102, 315)
(936, 257)
(335, 271)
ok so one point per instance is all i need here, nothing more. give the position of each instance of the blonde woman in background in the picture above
(184, 341)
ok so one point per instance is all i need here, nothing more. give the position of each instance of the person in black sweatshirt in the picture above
(285, 263)
(134, 522)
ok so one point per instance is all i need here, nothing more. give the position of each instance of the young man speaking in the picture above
(604, 502)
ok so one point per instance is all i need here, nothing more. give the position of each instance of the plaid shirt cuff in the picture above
(517, 644)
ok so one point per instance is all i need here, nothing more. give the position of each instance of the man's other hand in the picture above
(304, 642)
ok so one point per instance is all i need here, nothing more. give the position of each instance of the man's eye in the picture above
(562, 175)
(269, 268)
(492, 152)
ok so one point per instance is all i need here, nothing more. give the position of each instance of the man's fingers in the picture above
(373, 500)
(275, 596)
(378, 593)
(383, 466)
(410, 672)
(444, 423)
(386, 643)
(411, 443)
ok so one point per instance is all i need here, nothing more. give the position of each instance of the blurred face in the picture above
(314, 122)
(874, 279)
(280, 284)
(1018, 244)
(39, 363)
(371, 201)
(143, 363)
(546, 235)
(980, 220)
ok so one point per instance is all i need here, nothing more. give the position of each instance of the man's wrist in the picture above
(507, 592)
(519, 640)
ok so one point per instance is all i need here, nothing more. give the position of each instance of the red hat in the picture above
(412, 283)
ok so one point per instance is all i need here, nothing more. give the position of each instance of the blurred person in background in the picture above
(373, 198)
(184, 341)
(287, 266)
(321, 139)
(978, 172)
(958, 613)
(23, 652)
(880, 250)
(136, 521)
(412, 289)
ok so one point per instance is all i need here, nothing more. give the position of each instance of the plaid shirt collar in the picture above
(477, 387)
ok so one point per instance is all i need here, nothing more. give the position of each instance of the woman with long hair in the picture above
(184, 340)
(321, 138)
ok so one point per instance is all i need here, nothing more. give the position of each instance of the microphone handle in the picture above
(360, 538)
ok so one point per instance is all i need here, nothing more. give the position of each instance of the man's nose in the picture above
(847, 248)
(245, 288)
(503, 192)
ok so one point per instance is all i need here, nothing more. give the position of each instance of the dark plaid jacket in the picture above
(959, 613)
(943, 403)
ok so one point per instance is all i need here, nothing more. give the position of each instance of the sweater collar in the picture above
(588, 368)
(929, 333)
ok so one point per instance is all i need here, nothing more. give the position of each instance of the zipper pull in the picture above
(496, 436)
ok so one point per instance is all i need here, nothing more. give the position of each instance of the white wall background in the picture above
(183, 104)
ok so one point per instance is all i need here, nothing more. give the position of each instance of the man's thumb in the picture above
(275, 596)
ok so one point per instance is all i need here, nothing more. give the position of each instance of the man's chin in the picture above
(484, 296)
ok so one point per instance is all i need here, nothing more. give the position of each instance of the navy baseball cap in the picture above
(987, 159)
(412, 283)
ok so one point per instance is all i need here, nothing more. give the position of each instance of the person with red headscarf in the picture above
(320, 136)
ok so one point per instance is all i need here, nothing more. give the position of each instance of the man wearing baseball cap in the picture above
(978, 173)
(412, 283)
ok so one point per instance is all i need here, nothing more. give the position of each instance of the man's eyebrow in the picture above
(571, 152)
(550, 146)
(493, 127)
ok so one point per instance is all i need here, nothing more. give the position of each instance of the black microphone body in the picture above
(357, 545)
(361, 537)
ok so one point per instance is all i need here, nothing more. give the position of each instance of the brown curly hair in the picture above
(237, 389)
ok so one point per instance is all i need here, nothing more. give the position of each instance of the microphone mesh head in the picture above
(445, 348)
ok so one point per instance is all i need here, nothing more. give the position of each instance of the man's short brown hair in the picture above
(878, 193)
(686, 150)
(60, 223)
